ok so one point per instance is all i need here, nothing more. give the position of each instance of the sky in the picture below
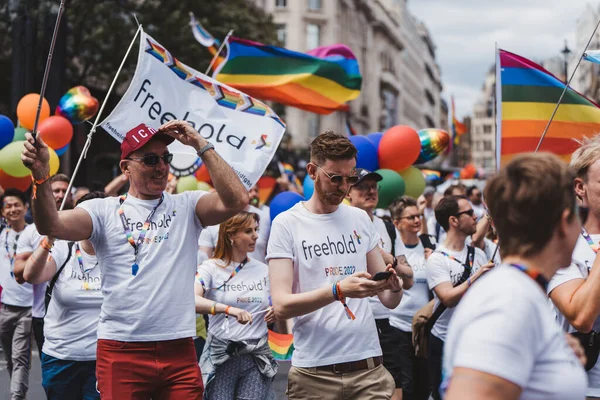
(465, 33)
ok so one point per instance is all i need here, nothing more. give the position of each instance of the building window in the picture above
(389, 113)
(429, 122)
(313, 36)
(314, 125)
(280, 3)
(487, 129)
(487, 145)
(314, 5)
(281, 34)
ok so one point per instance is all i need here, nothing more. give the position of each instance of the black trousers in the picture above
(436, 352)
(38, 333)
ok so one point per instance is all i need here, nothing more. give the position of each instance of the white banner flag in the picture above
(244, 131)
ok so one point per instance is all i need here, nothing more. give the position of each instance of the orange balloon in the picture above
(27, 109)
(56, 131)
(399, 148)
(7, 181)
(202, 174)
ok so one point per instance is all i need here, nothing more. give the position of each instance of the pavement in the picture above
(36, 392)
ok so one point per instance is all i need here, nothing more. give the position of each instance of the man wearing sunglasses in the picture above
(575, 290)
(323, 260)
(146, 245)
(446, 276)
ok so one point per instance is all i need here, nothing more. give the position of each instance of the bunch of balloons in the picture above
(76, 106)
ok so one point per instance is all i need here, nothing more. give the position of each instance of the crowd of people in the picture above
(441, 296)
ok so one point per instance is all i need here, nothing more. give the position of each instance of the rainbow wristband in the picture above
(335, 293)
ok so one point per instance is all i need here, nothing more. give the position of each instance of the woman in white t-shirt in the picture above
(234, 290)
(503, 341)
(406, 217)
(69, 351)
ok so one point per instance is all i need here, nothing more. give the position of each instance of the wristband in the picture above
(46, 246)
(204, 149)
(335, 293)
(227, 311)
(36, 183)
(213, 309)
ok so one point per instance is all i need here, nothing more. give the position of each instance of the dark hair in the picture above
(59, 178)
(400, 204)
(451, 188)
(527, 199)
(90, 196)
(471, 189)
(446, 208)
(331, 146)
(224, 248)
(12, 192)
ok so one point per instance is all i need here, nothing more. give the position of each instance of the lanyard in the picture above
(80, 260)
(458, 261)
(129, 235)
(533, 274)
(588, 239)
(234, 273)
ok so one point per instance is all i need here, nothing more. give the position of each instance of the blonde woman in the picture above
(234, 290)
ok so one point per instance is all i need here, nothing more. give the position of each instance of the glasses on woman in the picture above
(153, 159)
(338, 179)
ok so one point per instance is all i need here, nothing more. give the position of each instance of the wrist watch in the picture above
(204, 149)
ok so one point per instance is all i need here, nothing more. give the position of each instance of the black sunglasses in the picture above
(470, 213)
(153, 159)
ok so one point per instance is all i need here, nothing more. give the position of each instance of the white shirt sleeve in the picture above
(399, 247)
(564, 275)
(95, 208)
(204, 277)
(206, 239)
(281, 242)
(26, 242)
(437, 270)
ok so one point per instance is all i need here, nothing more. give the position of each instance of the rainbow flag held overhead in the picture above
(322, 80)
(526, 97)
(282, 345)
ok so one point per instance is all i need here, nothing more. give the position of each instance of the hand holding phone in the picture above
(382, 276)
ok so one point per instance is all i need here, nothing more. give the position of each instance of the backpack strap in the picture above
(50, 286)
(391, 230)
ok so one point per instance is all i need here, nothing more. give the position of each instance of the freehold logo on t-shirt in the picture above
(345, 245)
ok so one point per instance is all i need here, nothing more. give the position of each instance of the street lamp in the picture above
(566, 52)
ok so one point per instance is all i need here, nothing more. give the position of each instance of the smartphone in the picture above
(382, 276)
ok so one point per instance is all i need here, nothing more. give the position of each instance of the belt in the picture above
(352, 366)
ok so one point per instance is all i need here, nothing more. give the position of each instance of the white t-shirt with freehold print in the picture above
(326, 248)
(581, 264)
(248, 290)
(13, 293)
(30, 240)
(158, 302)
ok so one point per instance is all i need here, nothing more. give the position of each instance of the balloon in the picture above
(20, 134)
(56, 131)
(187, 183)
(399, 148)
(62, 150)
(375, 138)
(283, 202)
(308, 186)
(7, 131)
(54, 162)
(468, 172)
(204, 186)
(27, 109)
(390, 187)
(367, 153)
(10, 160)
(77, 105)
(414, 182)
(7, 181)
(433, 143)
(202, 174)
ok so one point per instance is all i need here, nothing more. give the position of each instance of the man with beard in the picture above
(320, 253)
(474, 196)
(17, 300)
(451, 269)
(28, 242)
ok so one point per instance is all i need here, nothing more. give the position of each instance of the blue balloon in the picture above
(7, 131)
(375, 138)
(62, 150)
(309, 187)
(367, 153)
(283, 202)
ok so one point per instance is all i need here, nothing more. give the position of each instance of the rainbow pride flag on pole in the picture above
(526, 95)
(458, 128)
(282, 345)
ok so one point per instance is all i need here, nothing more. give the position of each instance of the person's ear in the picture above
(580, 188)
(124, 165)
(311, 168)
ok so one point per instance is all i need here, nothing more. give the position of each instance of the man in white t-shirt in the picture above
(323, 260)
(575, 291)
(15, 310)
(476, 199)
(445, 270)
(428, 211)
(28, 242)
(146, 244)
(364, 194)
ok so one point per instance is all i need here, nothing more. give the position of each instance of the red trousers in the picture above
(164, 370)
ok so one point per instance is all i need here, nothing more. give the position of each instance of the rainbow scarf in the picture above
(529, 95)
(282, 345)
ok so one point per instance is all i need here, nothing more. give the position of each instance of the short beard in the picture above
(324, 196)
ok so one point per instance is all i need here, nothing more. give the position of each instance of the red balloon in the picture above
(202, 174)
(56, 131)
(7, 181)
(399, 148)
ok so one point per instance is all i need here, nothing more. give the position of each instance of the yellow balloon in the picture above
(54, 162)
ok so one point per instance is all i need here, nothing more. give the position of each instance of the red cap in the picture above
(139, 136)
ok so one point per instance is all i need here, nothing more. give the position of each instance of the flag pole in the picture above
(214, 59)
(88, 142)
(566, 87)
(61, 8)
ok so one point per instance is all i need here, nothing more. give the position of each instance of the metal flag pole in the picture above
(214, 59)
(88, 142)
(566, 88)
(47, 69)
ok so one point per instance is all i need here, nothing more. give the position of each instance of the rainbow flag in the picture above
(458, 128)
(282, 345)
(526, 97)
(207, 40)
